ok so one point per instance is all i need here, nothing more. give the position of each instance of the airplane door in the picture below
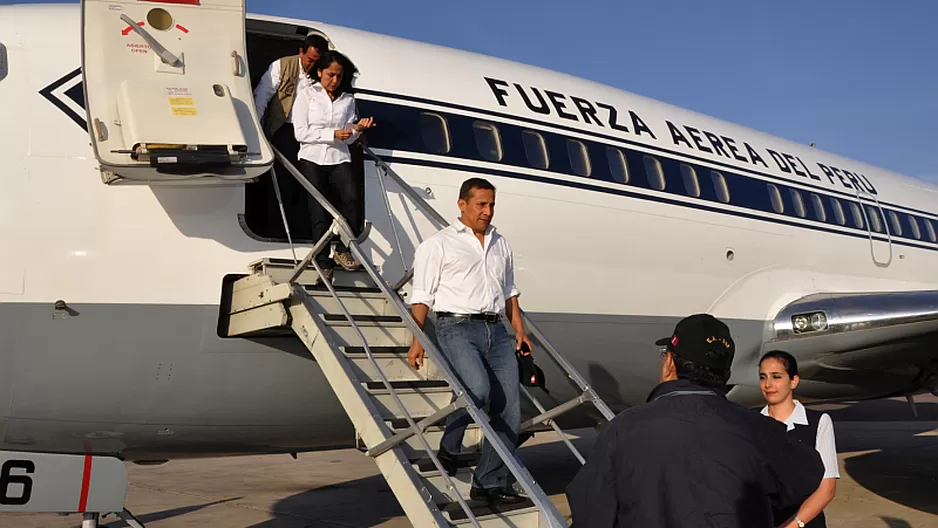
(876, 227)
(168, 94)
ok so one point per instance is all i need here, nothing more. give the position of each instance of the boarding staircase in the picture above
(358, 329)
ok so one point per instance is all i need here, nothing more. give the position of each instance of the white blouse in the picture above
(316, 117)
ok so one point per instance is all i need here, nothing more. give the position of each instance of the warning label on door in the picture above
(184, 111)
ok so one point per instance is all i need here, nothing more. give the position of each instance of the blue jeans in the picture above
(482, 356)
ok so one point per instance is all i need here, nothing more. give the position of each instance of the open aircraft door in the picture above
(168, 92)
(876, 224)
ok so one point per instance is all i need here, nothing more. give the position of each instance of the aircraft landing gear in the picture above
(90, 520)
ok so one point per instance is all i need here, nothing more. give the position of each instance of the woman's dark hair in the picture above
(786, 359)
(349, 71)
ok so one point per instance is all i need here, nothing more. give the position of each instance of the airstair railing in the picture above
(340, 226)
(587, 392)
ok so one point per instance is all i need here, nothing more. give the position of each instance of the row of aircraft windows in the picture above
(487, 141)
(897, 223)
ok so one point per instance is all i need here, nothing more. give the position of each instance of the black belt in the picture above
(487, 317)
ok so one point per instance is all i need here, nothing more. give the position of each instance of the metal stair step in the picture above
(418, 402)
(521, 515)
(376, 335)
(391, 360)
(437, 485)
(280, 270)
(415, 385)
(341, 288)
(357, 303)
(338, 319)
(471, 441)
(469, 459)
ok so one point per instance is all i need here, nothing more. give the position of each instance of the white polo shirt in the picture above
(824, 443)
(454, 272)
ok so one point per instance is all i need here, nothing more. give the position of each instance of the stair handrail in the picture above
(552, 516)
(529, 324)
(425, 444)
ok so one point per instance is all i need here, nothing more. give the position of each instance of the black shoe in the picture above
(495, 495)
(448, 461)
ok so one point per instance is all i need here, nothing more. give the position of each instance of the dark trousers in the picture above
(339, 184)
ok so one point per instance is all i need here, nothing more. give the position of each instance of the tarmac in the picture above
(888, 463)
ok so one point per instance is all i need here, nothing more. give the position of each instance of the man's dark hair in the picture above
(317, 41)
(706, 376)
(465, 191)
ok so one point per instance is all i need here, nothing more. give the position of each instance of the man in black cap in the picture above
(689, 457)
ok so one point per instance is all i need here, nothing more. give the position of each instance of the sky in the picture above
(858, 77)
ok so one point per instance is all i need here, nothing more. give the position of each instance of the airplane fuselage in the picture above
(639, 213)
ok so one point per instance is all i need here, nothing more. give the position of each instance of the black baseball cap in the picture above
(702, 339)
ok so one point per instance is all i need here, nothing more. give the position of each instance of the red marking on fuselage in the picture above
(131, 28)
(85, 480)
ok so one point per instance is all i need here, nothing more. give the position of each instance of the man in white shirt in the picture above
(465, 273)
(274, 96)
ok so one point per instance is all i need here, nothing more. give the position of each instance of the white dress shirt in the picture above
(454, 272)
(316, 117)
(824, 443)
(267, 88)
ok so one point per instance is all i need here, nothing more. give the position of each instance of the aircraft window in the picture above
(435, 133)
(719, 185)
(799, 203)
(579, 158)
(930, 229)
(654, 173)
(896, 225)
(487, 141)
(876, 221)
(535, 149)
(776, 198)
(857, 216)
(818, 204)
(617, 165)
(691, 185)
(838, 211)
(916, 230)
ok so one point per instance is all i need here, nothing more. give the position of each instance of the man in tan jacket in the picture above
(273, 100)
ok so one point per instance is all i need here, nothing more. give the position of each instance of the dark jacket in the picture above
(691, 460)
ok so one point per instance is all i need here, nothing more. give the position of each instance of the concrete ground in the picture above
(888, 462)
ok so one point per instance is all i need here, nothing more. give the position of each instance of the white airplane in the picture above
(625, 215)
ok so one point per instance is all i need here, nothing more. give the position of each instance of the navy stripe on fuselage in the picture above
(401, 131)
(697, 203)
(669, 152)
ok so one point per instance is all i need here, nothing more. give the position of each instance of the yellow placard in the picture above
(181, 101)
(184, 111)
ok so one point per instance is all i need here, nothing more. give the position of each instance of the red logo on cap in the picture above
(674, 340)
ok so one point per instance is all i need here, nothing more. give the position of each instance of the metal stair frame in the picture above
(380, 442)
(550, 516)
(587, 394)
